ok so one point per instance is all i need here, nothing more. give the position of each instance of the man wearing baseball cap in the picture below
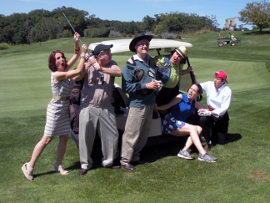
(216, 116)
(139, 74)
(96, 110)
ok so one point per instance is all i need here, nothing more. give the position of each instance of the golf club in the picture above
(87, 55)
(192, 75)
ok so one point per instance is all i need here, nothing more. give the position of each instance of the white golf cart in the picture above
(120, 98)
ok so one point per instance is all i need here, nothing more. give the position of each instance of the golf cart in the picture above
(120, 104)
(232, 40)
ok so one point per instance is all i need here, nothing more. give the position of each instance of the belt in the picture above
(60, 98)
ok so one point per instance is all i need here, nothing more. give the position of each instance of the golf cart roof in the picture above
(122, 45)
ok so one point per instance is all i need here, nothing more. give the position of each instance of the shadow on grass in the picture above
(233, 137)
(153, 151)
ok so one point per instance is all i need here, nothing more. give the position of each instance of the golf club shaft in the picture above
(71, 26)
(192, 75)
(87, 55)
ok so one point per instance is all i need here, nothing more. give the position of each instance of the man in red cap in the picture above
(215, 116)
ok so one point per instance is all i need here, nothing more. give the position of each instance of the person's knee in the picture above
(192, 129)
(199, 129)
(46, 140)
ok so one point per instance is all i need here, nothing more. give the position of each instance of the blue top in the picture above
(136, 73)
(184, 109)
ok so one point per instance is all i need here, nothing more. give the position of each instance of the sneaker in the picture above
(207, 157)
(185, 155)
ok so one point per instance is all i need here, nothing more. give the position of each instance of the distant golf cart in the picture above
(232, 40)
(121, 100)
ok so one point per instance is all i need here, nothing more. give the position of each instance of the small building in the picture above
(230, 24)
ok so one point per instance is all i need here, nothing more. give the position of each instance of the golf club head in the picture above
(88, 55)
(63, 8)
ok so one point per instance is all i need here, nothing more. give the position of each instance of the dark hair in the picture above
(200, 91)
(52, 65)
(183, 61)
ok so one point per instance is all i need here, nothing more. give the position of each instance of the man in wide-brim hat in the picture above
(138, 80)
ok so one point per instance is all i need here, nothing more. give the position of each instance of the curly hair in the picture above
(52, 65)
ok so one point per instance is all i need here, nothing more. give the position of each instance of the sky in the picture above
(133, 10)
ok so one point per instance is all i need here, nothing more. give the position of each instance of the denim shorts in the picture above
(170, 124)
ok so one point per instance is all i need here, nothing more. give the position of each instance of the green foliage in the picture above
(42, 25)
(97, 32)
(175, 22)
(4, 46)
(159, 36)
(178, 36)
(256, 13)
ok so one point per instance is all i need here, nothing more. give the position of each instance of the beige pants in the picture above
(136, 132)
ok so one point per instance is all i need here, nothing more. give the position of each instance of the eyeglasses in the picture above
(145, 43)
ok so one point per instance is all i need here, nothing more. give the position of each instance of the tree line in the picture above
(42, 25)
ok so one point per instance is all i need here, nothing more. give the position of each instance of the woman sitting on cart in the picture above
(183, 106)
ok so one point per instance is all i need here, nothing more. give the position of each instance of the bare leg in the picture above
(192, 131)
(61, 149)
(40, 146)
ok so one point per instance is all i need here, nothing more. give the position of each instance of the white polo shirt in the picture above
(219, 100)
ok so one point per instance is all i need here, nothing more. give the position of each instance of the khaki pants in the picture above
(136, 132)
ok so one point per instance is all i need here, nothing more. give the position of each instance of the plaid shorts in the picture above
(170, 124)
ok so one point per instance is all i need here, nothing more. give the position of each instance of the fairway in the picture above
(242, 173)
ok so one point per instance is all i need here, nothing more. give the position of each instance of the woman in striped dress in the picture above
(57, 119)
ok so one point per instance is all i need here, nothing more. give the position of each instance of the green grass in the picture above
(241, 175)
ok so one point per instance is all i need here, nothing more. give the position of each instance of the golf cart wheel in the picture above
(233, 44)
(220, 44)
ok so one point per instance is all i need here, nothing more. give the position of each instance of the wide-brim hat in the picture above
(138, 38)
(222, 75)
(182, 51)
(101, 47)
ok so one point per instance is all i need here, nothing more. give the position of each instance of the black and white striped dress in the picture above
(57, 119)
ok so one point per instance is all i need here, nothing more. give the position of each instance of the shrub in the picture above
(159, 36)
(124, 34)
(4, 46)
(178, 36)
(96, 32)
(67, 33)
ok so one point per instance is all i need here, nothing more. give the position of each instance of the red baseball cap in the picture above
(222, 75)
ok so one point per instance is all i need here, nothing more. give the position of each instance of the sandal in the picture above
(27, 170)
(58, 170)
